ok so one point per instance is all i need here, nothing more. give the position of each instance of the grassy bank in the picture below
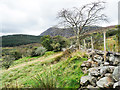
(65, 73)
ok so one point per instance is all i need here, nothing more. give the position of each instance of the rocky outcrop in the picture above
(101, 74)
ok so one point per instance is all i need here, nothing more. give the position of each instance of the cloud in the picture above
(35, 16)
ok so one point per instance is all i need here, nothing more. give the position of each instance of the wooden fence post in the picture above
(104, 34)
(84, 44)
(92, 43)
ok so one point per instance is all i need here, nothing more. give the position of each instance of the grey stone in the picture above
(88, 64)
(99, 52)
(116, 61)
(117, 84)
(94, 71)
(111, 69)
(103, 69)
(111, 58)
(98, 61)
(93, 81)
(108, 75)
(116, 73)
(90, 86)
(83, 65)
(105, 82)
(85, 70)
(89, 60)
(85, 80)
(106, 63)
(98, 57)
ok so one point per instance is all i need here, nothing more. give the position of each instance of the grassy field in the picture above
(46, 71)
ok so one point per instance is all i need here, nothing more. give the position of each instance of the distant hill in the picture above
(19, 39)
(65, 32)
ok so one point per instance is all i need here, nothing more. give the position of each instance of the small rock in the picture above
(83, 65)
(106, 63)
(111, 58)
(116, 85)
(89, 60)
(85, 70)
(90, 86)
(98, 61)
(88, 64)
(116, 61)
(111, 69)
(116, 73)
(108, 75)
(99, 52)
(98, 57)
(105, 82)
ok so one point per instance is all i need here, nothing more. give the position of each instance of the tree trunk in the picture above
(104, 34)
(92, 43)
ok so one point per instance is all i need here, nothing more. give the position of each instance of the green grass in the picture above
(66, 73)
(25, 59)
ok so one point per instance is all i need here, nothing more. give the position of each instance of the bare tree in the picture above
(78, 18)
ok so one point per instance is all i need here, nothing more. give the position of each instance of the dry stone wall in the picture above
(101, 74)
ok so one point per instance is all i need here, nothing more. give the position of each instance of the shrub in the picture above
(40, 51)
(16, 54)
(46, 41)
(7, 61)
(55, 43)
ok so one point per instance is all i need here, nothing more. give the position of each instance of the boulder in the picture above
(116, 85)
(105, 82)
(116, 73)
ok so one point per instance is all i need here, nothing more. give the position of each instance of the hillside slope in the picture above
(19, 39)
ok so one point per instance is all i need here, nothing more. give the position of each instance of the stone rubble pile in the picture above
(101, 74)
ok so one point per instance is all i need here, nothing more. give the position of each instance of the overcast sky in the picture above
(35, 16)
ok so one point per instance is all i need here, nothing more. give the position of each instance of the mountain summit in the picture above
(65, 32)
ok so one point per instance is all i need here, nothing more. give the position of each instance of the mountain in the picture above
(65, 32)
(18, 39)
